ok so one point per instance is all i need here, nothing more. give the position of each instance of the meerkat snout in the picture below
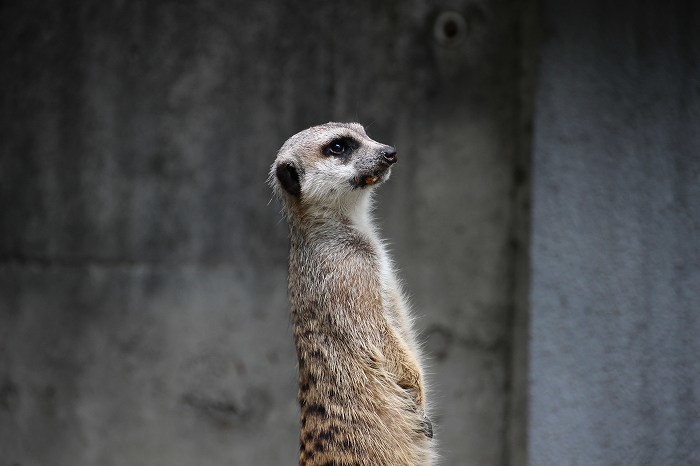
(389, 155)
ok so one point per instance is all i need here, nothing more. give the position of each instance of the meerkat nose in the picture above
(389, 155)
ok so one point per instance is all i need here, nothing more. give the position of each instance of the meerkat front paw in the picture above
(415, 391)
(410, 381)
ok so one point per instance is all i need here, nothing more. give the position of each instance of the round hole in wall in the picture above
(450, 29)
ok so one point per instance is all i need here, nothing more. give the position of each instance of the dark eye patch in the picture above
(340, 147)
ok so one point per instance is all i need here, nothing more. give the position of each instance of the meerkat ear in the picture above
(289, 178)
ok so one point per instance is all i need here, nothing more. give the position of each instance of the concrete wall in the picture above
(143, 310)
(615, 372)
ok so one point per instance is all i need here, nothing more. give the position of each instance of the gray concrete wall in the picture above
(615, 372)
(143, 310)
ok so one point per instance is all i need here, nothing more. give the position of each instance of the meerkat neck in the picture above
(356, 214)
(360, 216)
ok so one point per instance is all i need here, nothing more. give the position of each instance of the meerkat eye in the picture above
(341, 147)
(337, 148)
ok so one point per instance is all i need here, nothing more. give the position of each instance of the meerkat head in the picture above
(331, 166)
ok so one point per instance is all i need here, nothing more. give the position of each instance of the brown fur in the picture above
(361, 388)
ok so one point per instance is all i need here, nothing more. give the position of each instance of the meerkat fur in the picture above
(361, 381)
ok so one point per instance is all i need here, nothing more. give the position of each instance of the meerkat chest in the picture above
(383, 268)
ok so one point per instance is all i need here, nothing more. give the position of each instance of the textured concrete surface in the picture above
(143, 311)
(615, 373)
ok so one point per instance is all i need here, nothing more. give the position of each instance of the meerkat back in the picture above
(361, 384)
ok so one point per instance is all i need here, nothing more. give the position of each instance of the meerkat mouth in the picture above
(367, 180)
(371, 179)
(373, 176)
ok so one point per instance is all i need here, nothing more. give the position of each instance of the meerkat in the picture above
(361, 382)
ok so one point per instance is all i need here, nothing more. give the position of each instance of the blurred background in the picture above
(544, 214)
